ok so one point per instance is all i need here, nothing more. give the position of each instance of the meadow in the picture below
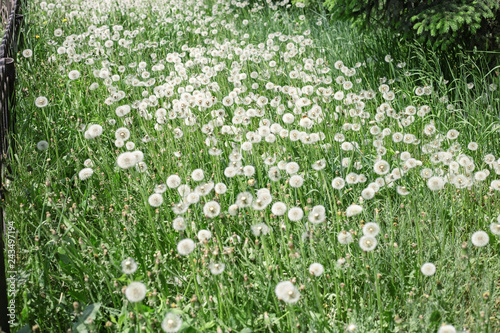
(235, 166)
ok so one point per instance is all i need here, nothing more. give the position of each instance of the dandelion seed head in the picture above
(353, 210)
(316, 269)
(129, 266)
(41, 102)
(428, 269)
(171, 323)
(287, 292)
(85, 173)
(185, 246)
(368, 243)
(135, 292)
(480, 238)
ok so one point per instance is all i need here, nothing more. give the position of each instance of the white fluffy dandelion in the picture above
(287, 292)
(179, 224)
(371, 229)
(260, 229)
(220, 188)
(480, 238)
(278, 208)
(122, 134)
(171, 323)
(129, 266)
(428, 269)
(94, 131)
(197, 175)
(368, 243)
(74, 75)
(173, 181)
(435, 183)
(353, 210)
(345, 237)
(42, 145)
(495, 228)
(296, 181)
(447, 329)
(211, 209)
(135, 292)
(126, 160)
(155, 200)
(338, 183)
(204, 235)
(85, 173)
(216, 268)
(292, 168)
(185, 246)
(295, 214)
(316, 269)
(28, 53)
(41, 101)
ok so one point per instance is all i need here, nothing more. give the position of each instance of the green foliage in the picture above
(436, 24)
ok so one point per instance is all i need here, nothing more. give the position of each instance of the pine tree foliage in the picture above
(439, 24)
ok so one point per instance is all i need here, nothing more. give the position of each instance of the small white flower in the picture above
(216, 268)
(211, 209)
(204, 235)
(197, 175)
(287, 292)
(447, 329)
(173, 181)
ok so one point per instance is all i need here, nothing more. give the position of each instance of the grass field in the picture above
(221, 166)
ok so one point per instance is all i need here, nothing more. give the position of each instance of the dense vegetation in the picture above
(234, 166)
